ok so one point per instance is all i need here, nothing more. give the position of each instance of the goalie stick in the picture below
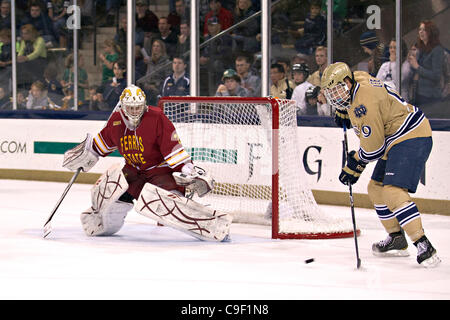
(352, 206)
(48, 225)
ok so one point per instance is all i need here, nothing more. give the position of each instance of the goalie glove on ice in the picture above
(342, 119)
(353, 169)
(81, 156)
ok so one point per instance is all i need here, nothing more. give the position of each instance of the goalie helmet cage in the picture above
(250, 147)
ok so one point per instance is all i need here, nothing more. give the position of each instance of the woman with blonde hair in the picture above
(245, 36)
(31, 56)
(158, 68)
(68, 76)
(111, 53)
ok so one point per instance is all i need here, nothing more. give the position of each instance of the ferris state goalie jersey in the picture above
(153, 147)
(381, 118)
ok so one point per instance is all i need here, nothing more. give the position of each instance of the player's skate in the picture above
(395, 245)
(426, 253)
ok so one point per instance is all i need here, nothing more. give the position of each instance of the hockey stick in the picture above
(48, 225)
(352, 206)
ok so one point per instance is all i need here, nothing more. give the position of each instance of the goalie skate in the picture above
(183, 214)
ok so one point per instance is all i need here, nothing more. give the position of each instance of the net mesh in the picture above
(232, 141)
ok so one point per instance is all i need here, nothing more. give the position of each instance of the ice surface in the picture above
(144, 261)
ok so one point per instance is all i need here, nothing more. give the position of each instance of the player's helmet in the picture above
(312, 93)
(301, 67)
(336, 90)
(133, 103)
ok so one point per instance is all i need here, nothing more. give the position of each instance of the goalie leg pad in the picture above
(107, 213)
(183, 214)
(105, 223)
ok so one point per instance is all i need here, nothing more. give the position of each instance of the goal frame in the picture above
(276, 234)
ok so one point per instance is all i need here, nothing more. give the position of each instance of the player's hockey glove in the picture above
(342, 119)
(352, 170)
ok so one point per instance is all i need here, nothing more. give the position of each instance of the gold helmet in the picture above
(133, 103)
(336, 90)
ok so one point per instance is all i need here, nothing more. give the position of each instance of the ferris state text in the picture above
(229, 309)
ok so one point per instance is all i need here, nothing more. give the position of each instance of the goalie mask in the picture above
(133, 104)
(336, 90)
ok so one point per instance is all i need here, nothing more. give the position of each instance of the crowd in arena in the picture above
(229, 63)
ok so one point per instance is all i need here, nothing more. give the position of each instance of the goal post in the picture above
(250, 147)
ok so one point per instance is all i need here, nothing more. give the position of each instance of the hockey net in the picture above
(250, 147)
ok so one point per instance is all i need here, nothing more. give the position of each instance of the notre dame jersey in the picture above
(381, 118)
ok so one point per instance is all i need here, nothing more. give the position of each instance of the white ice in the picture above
(144, 261)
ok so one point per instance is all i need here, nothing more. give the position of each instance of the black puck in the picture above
(309, 260)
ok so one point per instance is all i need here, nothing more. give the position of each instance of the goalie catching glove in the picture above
(81, 156)
(353, 169)
(195, 179)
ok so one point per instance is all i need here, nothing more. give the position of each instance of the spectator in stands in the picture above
(5, 102)
(67, 80)
(120, 38)
(167, 35)
(177, 84)
(52, 85)
(428, 64)
(225, 16)
(339, 13)
(245, 36)
(5, 14)
(139, 64)
(21, 99)
(109, 55)
(32, 56)
(388, 71)
(158, 68)
(249, 80)
(314, 31)
(286, 66)
(312, 104)
(376, 51)
(69, 100)
(301, 58)
(57, 12)
(184, 39)
(96, 101)
(281, 87)
(322, 63)
(37, 97)
(41, 21)
(215, 57)
(110, 7)
(5, 57)
(146, 21)
(300, 74)
(112, 89)
(231, 85)
(175, 17)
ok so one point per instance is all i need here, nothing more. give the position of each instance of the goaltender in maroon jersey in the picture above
(152, 150)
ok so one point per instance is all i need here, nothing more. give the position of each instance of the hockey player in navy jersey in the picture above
(398, 136)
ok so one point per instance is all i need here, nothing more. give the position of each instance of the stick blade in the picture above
(47, 229)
